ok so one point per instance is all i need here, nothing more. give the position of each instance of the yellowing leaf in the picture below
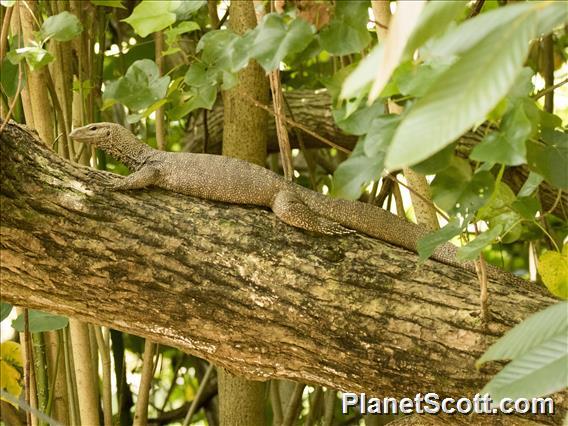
(553, 269)
(11, 352)
(10, 365)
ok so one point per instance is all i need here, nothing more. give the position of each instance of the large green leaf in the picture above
(359, 81)
(434, 19)
(531, 333)
(380, 134)
(274, 40)
(40, 321)
(472, 31)
(151, 16)
(61, 27)
(140, 87)
(541, 371)
(464, 94)
(347, 32)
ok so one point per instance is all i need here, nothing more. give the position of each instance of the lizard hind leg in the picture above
(290, 209)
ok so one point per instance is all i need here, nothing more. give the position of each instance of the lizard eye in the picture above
(93, 128)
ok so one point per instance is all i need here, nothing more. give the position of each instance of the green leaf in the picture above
(500, 202)
(437, 162)
(9, 77)
(471, 250)
(473, 31)
(427, 244)
(172, 35)
(508, 145)
(216, 49)
(360, 80)
(347, 32)
(140, 87)
(454, 189)
(527, 207)
(195, 98)
(151, 16)
(109, 3)
(187, 8)
(355, 173)
(416, 80)
(467, 91)
(40, 321)
(549, 159)
(380, 134)
(434, 19)
(5, 309)
(62, 27)
(538, 348)
(539, 372)
(197, 75)
(35, 56)
(274, 40)
(529, 334)
(553, 269)
(359, 122)
(530, 185)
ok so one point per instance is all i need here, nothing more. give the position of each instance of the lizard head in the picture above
(99, 135)
(115, 140)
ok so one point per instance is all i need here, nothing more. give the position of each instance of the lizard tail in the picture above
(383, 225)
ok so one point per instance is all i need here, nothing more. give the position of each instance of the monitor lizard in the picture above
(231, 180)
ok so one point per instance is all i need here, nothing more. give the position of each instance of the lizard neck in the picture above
(127, 149)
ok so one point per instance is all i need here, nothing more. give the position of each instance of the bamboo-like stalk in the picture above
(104, 352)
(294, 404)
(70, 379)
(141, 411)
(43, 118)
(40, 372)
(86, 389)
(330, 398)
(57, 405)
(160, 118)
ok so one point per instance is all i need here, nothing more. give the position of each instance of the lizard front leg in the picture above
(142, 178)
(291, 209)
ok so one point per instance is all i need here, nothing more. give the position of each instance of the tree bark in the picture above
(313, 109)
(236, 286)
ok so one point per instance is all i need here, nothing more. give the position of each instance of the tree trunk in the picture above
(242, 402)
(236, 286)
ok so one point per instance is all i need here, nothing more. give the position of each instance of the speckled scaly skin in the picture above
(231, 180)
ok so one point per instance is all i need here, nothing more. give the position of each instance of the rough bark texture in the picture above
(236, 286)
(252, 82)
(313, 109)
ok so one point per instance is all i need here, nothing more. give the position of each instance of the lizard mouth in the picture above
(79, 136)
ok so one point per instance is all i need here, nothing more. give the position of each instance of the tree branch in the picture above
(236, 286)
